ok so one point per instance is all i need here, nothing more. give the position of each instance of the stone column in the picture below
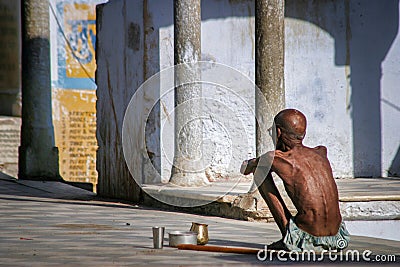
(38, 156)
(270, 53)
(188, 169)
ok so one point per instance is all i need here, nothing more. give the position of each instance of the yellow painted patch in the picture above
(74, 117)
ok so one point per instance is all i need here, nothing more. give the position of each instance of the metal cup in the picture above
(202, 232)
(158, 236)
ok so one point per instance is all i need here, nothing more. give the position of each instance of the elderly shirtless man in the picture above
(308, 180)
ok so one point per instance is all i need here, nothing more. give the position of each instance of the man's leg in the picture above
(274, 200)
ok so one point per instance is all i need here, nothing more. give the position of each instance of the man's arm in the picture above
(264, 161)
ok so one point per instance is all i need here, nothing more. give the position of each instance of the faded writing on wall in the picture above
(75, 123)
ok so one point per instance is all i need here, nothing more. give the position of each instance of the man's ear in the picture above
(278, 132)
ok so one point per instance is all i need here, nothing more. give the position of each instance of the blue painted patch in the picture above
(81, 40)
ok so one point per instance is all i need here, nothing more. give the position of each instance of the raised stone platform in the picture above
(360, 199)
(10, 128)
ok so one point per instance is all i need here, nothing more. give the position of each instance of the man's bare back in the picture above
(308, 180)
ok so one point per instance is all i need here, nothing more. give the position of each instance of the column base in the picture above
(197, 179)
(39, 166)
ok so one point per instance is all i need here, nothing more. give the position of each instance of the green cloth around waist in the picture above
(299, 240)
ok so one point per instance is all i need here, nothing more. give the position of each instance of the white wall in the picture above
(235, 37)
(341, 69)
(390, 109)
(316, 85)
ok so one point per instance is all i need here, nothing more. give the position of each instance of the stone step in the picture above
(360, 199)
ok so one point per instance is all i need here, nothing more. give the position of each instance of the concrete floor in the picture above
(49, 223)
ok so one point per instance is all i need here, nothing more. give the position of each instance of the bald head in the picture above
(292, 122)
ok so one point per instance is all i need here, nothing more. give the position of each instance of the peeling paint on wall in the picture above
(73, 31)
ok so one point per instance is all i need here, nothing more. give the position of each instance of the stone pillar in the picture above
(270, 53)
(188, 169)
(38, 156)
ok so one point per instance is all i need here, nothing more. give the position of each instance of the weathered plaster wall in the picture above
(10, 80)
(314, 83)
(73, 48)
(390, 102)
(119, 73)
(10, 136)
(72, 25)
(10, 83)
(342, 65)
(233, 24)
(337, 71)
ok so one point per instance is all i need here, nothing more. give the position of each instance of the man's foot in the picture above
(278, 245)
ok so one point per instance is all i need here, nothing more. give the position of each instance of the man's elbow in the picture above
(265, 160)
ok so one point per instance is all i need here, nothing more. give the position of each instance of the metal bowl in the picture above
(180, 237)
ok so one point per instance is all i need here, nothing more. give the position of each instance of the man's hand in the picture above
(248, 166)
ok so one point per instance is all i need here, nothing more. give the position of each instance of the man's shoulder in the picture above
(321, 150)
(281, 154)
(299, 152)
(318, 149)
(287, 157)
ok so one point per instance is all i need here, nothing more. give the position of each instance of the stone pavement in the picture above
(49, 223)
